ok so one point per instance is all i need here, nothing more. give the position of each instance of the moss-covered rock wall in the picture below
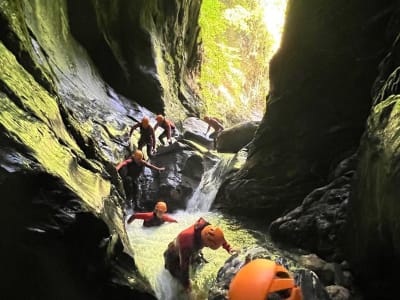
(146, 50)
(318, 104)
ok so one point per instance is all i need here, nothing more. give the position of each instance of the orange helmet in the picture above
(159, 118)
(206, 118)
(212, 237)
(145, 122)
(138, 155)
(260, 278)
(161, 206)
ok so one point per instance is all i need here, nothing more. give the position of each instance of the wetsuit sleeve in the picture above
(168, 129)
(153, 138)
(227, 247)
(208, 128)
(167, 218)
(124, 163)
(144, 216)
(153, 167)
(133, 128)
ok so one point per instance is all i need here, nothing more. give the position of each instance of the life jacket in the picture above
(154, 221)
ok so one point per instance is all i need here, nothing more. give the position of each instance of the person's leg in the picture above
(141, 144)
(161, 137)
(148, 149)
(214, 137)
(129, 191)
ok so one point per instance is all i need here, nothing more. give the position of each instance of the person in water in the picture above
(215, 124)
(185, 249)
(154, 218)
(169, 129)
(130, 170)
(262, 279)
(147, 136)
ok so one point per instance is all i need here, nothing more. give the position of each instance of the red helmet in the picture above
(212, 237)
(260, 278)
(206, 118)
(159, 118)
(161, 206)
(145, 122)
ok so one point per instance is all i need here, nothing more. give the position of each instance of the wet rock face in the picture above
(184, 167)
(235, 138)
(127, 38)
(372, 233)
(320, 89)
(51, 248)
(317, 224)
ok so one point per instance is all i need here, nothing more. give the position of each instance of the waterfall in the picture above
(211, 180)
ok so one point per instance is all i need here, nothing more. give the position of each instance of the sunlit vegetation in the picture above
(237, 49)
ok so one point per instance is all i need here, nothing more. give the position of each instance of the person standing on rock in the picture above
(169, 129)
(147, 136)
(156, 217)
(130, 170)
(216, 125)
(185, 250)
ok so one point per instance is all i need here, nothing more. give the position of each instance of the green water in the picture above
(150, 243)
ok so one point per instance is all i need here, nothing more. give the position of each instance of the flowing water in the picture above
(150, 243)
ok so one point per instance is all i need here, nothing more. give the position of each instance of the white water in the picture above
(149, 244)
(204, 196)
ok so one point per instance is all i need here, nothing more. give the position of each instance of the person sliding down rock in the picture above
(169, 129)
(185, 249)
(130, 170)
(156, 217)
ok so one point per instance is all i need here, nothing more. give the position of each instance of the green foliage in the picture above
(237, 50)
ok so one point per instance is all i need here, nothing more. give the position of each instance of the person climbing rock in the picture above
(215, 124)
(130, 170)
(169, 129)
(186, 248)
(154, 218)
(147, 136)
(263, 279)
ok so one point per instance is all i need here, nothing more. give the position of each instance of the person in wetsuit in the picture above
(130, 170)
(186, 248)
(154, 218)
(169, 129)
(215, 124)
(147, 136)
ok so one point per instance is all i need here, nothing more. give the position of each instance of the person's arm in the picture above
(155, 127)
(167, 218)
(220, 126)
(168, 130)
(227, 247)
(153, 137)
(143, 216)
(153, 167)
(133, 128)
(208, 129)
(124, 163)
